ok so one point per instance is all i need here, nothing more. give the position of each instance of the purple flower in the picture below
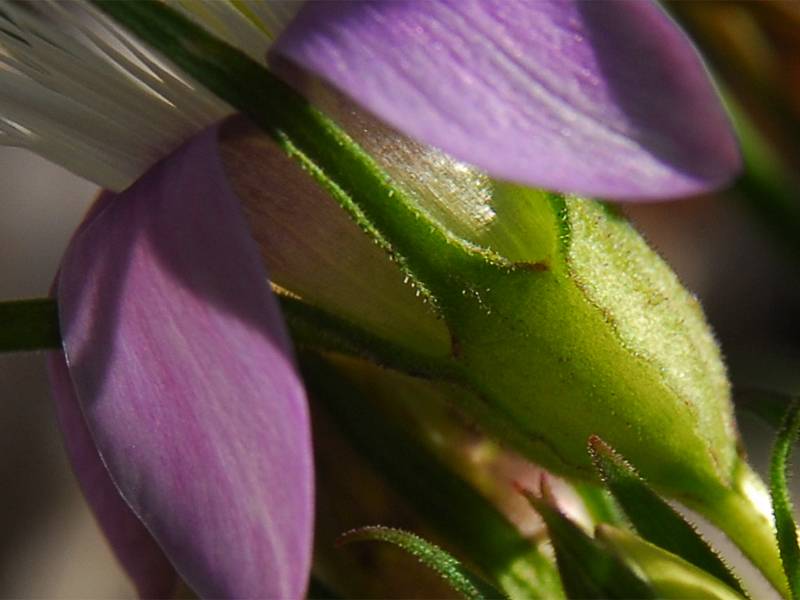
(605, 99)
(179, 399)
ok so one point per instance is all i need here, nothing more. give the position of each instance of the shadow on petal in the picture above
(133, 545)
(668, 97)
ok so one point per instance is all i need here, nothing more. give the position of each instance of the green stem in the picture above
(781, 498)
(315, 329)
(420, 247)
(758, 91)
(766, 188)
(29, 325)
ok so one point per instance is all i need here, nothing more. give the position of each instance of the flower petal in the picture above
(133, 545)
(605, 99)
(183, 370)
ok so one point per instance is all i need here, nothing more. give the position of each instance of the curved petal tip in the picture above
(605, 99)
(185, 377)
(137, 551)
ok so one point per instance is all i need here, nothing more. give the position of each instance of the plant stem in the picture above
(29, 325)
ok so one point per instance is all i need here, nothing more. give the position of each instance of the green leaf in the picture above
(654, 519)
(781, 500)
(449, 568)
(588, 570)
(29, 325)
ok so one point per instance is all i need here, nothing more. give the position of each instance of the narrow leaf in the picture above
(449, 568)
(29, 325)
(587, 569)
(781, 500)
(654, 519)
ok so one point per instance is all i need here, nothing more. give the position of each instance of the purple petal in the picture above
(183, 370)
(135, 548)
(604, 99)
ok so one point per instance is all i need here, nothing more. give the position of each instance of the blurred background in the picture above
(50, 546)
(738, 250)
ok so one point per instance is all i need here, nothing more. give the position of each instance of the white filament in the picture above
(81, 92)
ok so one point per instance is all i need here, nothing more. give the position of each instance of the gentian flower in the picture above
(180, 402)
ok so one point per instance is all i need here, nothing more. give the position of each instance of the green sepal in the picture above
(27, 325)
(785, 524)
(598, 503)
(669, 576)
(319, 330)
(587, 569)
(654, 519)
(449, 568)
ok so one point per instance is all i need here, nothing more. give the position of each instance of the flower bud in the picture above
(573, 327)
(549, 314)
